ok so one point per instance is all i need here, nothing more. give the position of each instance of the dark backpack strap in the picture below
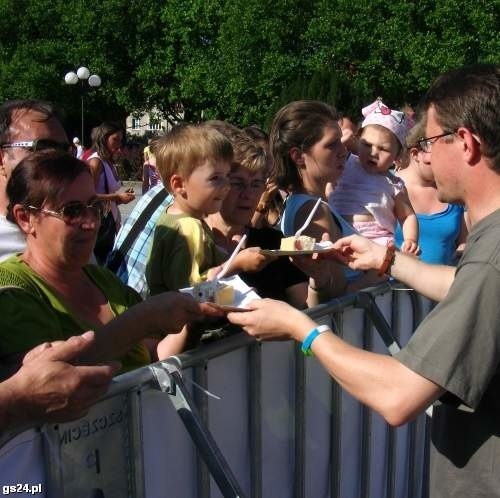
(118, 255)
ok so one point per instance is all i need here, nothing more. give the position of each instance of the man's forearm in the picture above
(378, 381)
(432, 281)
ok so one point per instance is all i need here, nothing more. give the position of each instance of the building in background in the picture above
(147, 123)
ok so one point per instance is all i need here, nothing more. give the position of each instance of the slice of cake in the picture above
(301, 243)
(213, 292)
(224, 294)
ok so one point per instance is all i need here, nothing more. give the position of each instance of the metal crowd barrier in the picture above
(236, 418)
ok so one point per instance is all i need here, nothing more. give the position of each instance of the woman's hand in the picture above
(251, 260)
(272, 320)
(269, 193)
(124, 197)
(312, 266)
(170, 311)
(319, 269)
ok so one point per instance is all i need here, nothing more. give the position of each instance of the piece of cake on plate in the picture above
(213, 292)
(301, 243)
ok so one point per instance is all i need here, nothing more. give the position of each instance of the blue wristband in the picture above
(315, 332)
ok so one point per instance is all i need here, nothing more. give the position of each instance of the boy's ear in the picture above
(297, 156)
(177, 185)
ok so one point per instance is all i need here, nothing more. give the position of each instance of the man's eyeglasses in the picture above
(425, 144)
(40, 145)
(74, 213)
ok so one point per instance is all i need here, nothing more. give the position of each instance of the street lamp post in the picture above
(82, 74)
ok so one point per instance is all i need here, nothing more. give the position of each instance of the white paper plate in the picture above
(318, 247)
(243, 294)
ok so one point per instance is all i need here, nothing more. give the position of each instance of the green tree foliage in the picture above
(241, 60)
(41, 40)
(238, 60)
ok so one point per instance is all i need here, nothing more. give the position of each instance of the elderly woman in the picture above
(271, 277)
(53, 293)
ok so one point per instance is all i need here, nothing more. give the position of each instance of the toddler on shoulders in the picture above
(370, 196)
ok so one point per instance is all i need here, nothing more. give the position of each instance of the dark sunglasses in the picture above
(40, 144)
(75, 212)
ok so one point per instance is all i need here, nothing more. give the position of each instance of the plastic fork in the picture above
(298, 233)
(231, 258)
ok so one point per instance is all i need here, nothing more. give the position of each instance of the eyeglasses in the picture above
(40, 145)
(425, 144)
(241, 186)
(74, 213)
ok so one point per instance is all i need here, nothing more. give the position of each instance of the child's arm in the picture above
(248, 260)
(409, 224)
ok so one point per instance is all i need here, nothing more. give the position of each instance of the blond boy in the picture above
(194, 163)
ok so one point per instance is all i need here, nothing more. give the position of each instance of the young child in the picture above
(194, 163)
(368, 194)
(442, 226)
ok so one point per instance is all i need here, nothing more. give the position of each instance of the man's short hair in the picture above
(186, 147)
(470, 97)
(7, 109)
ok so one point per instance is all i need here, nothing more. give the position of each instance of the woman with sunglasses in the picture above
(107, 141)
(52, 293)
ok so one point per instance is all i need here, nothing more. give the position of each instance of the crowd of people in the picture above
(415, 200)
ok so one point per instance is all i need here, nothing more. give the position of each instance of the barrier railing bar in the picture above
(416, 308)
(203, 439)
(390, 457)
(427, 449)
(299, 424)
(255, 419)
(391, 432)
(336, 425)
(366, 419)
(136, 483)
(366, 301)
(225, 345)
(200, 376)
(212, 350)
